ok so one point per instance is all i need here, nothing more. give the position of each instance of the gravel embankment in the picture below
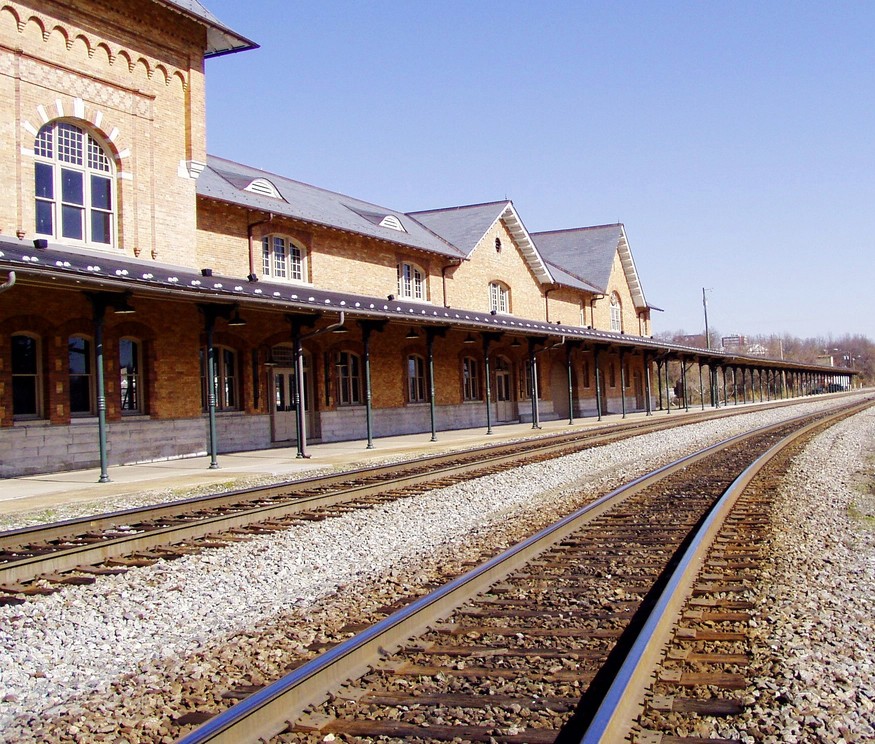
(105, 663)
(814, 665)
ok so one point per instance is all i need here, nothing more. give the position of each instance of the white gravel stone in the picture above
(58, 649)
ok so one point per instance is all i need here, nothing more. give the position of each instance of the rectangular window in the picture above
(73, 204)
(415, 379)
(228, 378)
(279, 258)
(129, 372)
(79, 367)
(25, 377)
(586, 376)
(349, 384)
(471, 378)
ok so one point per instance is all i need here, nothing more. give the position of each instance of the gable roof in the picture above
(465, 227)
(588, 254)
(227, 181)
(220, 38)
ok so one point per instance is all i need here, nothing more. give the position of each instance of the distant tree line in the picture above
(848, 351)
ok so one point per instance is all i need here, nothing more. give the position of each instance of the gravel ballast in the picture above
(102, 662)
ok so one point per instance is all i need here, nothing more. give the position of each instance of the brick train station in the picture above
(159, 302)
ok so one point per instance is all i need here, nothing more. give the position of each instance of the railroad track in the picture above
(45, 558)
(526, 647)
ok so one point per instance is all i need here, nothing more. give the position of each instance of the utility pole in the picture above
(705, 306)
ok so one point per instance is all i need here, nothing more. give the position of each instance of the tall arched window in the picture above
(616, 313)
(26, 377)
(411, 282)
(74, 185)
(283, 258)
(499, 297)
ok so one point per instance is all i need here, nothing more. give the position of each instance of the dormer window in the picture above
(263, 187)
(74, 186)
(392, 222)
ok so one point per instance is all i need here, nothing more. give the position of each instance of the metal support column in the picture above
(598, 384)
(622, 384)
(488, 384)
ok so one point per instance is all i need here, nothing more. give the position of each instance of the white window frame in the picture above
(616, 313)
(411, 282)
(63, 154)
(499, 297)
(283, 259)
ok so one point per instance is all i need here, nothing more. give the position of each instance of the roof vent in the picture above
(263, 187)
(392, 222)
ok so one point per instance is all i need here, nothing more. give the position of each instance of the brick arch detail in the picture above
(48, 26)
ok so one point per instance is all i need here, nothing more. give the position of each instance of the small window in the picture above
(411, 282)
(349, 379)
(74, 186)
(392, 222)
(415, 379)
(586, 374)
(612, 374)
(471, 378)
(79, 367)
(498, 245)
(26, 377)
(282, 258)
(226, 379)
(263, 187)
(130, 387)
(499, 297)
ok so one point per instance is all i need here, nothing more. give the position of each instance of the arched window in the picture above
(80, 367)
(349, 379)
(411, 282)
(26, 377)
(415, 379)
(470, 378)
(283, 258)
(74, 186)
(227, 397)
(616, 313)
(499, 297)
(130, 366)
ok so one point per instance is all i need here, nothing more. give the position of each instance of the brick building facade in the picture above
(239, 279)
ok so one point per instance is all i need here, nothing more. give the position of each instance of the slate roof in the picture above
(220, 38)
(585, 252)
(462, 226)
(226, 181)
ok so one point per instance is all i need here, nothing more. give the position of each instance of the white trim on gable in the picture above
(628, 264)
(521, 237)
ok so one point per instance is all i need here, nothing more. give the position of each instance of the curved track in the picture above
(553, 617)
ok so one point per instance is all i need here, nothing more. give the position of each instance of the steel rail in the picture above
(68, 559)
(157, 512)
(267, 712)
(624, 699)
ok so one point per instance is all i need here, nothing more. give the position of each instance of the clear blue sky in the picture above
(735, 140)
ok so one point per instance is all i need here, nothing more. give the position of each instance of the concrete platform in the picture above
(48, 490)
